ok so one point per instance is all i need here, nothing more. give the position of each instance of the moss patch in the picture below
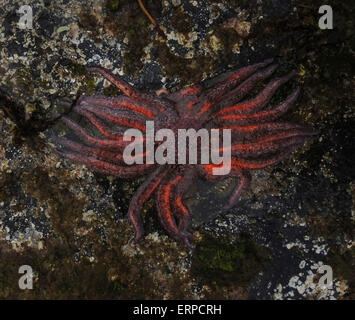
(90, 23)
(181, 21)
(124, 19)
(56, 275)
(65, 207)
(188, 70)
(220, 262)
(114, 5)
(129, 21)
(79, 71)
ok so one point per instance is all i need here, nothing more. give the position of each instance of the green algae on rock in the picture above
(222, 261)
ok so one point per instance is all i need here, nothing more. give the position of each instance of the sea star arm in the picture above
(244, 88)
(263, 116)
(240, 168)
(206, 171)
(122, 102)
(180, 209)
(92, 141)
(167, 219)
(259, 102)
(271, 143)
(182, 213)
(193, 90)
(230, 98)
(100, 154)
(256, 164)
(244, 179)
(106, 167)
(141, 195)
(101, 126)
(217, 92)
(258, 149)
(252, 130)
(129, 90)
(126, 118)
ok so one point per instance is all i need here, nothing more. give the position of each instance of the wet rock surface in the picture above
(70, 223)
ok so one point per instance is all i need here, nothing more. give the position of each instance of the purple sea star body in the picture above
(258, 138)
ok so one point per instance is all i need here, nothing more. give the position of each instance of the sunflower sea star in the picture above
(258, 140)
